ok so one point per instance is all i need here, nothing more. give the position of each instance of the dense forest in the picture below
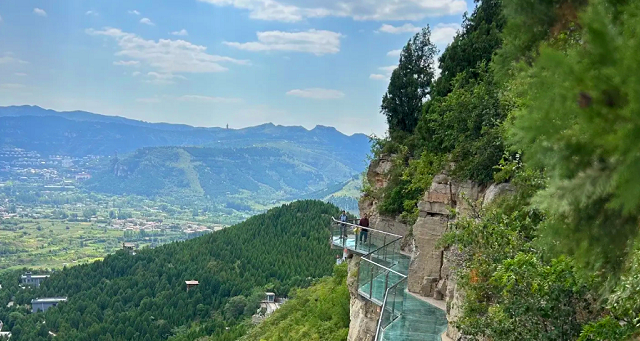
(144, 297)
(543, 95)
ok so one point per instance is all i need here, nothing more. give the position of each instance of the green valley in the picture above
(237, 177)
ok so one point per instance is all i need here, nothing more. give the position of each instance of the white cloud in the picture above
(148, 100)
(147, 21)
(406, 28)
(208, 99)
(182, 32)
(134, 12)
(387, 71)
(8, 58)
(136, 74)
(318, 42)
(162, 78)
(166, 56)
(316, 93)
(443, 34)
(394, 53)
(127, 63)
(40, 12)
(12, 86)
(20, 74)
(297, 10)
(94, 13)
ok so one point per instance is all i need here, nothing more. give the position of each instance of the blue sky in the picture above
(214, 62)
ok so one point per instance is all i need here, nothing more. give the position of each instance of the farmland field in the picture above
(51, 244)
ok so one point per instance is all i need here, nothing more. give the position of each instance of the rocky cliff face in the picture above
(378, 178)
(430, 271)
(364, 314)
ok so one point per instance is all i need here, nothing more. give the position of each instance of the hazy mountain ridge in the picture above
(81, 133)
(266, 172)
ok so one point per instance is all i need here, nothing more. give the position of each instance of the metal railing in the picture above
(371, 242)
(377, 281)
(392, 306)
(374, 280)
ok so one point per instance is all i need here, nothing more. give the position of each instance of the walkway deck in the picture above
(413, 319)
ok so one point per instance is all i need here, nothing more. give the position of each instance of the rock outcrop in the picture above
(377, 175)
(364, 315)
(431, 273)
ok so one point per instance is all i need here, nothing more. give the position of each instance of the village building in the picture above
(43, 304)
(269, 304)
(129, 247)
(31, 279)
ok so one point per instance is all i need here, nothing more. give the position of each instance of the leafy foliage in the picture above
(407, 185)
(530, 23)
(475, 44)
(512, 291)
(459, 124)
(559, 259)
(466, 125)
(318, 313)
(589, 151)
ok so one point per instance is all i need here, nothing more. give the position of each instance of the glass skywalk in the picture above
(382, 279)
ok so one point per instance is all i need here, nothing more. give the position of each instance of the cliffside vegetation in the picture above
(318, 313)
(543, 94)
(143, 296)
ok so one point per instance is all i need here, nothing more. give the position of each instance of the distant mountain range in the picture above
(265, 163)
(79, 133)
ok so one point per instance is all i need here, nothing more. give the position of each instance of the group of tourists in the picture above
(361, 230)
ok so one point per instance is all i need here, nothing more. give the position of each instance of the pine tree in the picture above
(580, 124)
(410, 83)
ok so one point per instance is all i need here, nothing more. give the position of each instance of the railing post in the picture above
(384, 243)
(393, 305)
(386, 281)
(357, 233)
(395, 244)
(371, 284)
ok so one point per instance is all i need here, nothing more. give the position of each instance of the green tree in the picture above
(410, 83)
(578, 123)
(480, 37)
(235, 307)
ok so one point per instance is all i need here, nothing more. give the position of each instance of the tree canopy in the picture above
(410, 83)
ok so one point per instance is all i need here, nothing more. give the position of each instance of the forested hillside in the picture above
(251, 174)
(543, 95)
(143, 296)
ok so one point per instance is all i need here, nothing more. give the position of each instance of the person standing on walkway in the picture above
(364, 231)
(343, 226)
